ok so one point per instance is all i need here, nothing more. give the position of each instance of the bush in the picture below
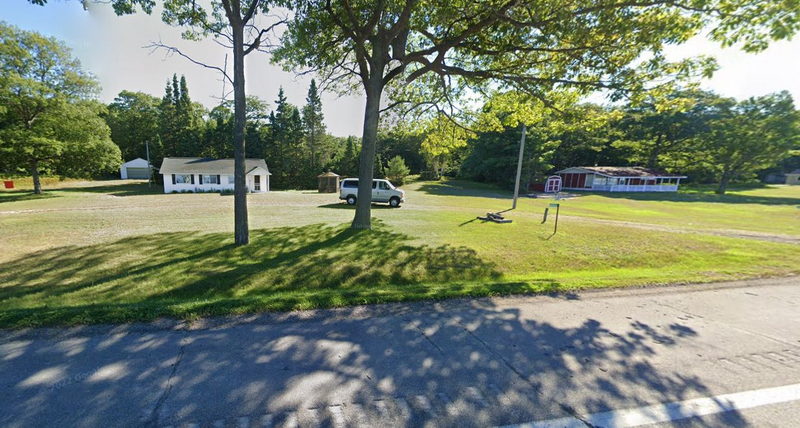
(397, 171)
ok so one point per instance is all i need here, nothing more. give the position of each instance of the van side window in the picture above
(374, 184)
(383, 185)
(350, 184)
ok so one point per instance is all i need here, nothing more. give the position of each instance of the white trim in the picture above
(588, 171)
(675, 411)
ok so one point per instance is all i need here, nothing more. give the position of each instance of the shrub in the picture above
(397, 171)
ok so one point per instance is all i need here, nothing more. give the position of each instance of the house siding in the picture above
(224, 184)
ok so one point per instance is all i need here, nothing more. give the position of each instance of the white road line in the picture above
(675, 411)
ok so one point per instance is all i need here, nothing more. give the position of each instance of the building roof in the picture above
(625, 171)
(328, 174)
(797, 171)
(134, 162)
(207, 166)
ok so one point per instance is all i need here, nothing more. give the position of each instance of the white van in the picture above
(382, 191)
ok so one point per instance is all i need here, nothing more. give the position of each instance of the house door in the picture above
(257, 183)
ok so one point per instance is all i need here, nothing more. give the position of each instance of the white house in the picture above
(135, 169)
(618, 179)
(211, 175)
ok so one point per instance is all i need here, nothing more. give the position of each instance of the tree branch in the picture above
(154, 46)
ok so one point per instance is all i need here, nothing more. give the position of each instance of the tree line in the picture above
(293, 140)
(51, 123)
(434, 56)
(700, 134)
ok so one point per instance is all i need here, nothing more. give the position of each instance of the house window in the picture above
(210, 179)
(183, 178)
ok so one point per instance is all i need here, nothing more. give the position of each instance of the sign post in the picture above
(557, 207)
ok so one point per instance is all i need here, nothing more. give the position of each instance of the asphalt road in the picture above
(710, 355)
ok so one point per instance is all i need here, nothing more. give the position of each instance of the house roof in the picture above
(797, 171)
(625, 171)
(207, 166)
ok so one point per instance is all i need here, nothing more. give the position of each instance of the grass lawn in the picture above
(118, 251)
(773, 209)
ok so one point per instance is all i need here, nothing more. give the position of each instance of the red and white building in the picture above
(618, 179)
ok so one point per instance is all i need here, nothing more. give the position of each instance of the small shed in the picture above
(793, 177)
(137, 169)
(328, 182)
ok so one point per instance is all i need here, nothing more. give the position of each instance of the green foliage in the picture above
(133, 118)
(49, 123)
(180, 120)
(660, 131)
(286, 155)
(348, 162)
(314, 127)
(443, 137)
(430, 57)
(747, 136)
(397, 171)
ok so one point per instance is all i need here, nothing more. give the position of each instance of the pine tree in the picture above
(314, 125)
(166, 123)
(348, 163)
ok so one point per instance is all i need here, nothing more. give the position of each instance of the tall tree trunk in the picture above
(37, 184)
(241, 230)
(723, 183)
(366, 163)
(652, 161)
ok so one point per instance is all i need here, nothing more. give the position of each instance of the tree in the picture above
(287, 151)
(662, 128)
(397, 171)
(443, 137)
(133, 118)
(348, 162)
(313, 122)
(47, 108)
(751, 135)
(180, 121)
(427, 55)
(234, 24)
(87, 149)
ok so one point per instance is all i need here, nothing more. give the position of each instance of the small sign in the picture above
(553, 205)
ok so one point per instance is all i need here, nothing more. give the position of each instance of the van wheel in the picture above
(394, 202)
(351, 200)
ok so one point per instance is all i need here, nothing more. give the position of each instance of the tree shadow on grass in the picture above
(23, 195)
(345, 206)
(132, 188)
(191, 273)
(464, 188)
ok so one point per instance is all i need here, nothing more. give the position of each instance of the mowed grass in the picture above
(120, 251)
(772, 209)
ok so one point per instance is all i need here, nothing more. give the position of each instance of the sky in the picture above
(113, 49)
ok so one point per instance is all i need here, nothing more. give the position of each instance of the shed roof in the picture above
(207, 166)
(328, 174)
(136, 162)
(797, 171)
(624, 171)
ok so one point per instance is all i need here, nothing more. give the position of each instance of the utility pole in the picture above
(519, 167)
(149, 167)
